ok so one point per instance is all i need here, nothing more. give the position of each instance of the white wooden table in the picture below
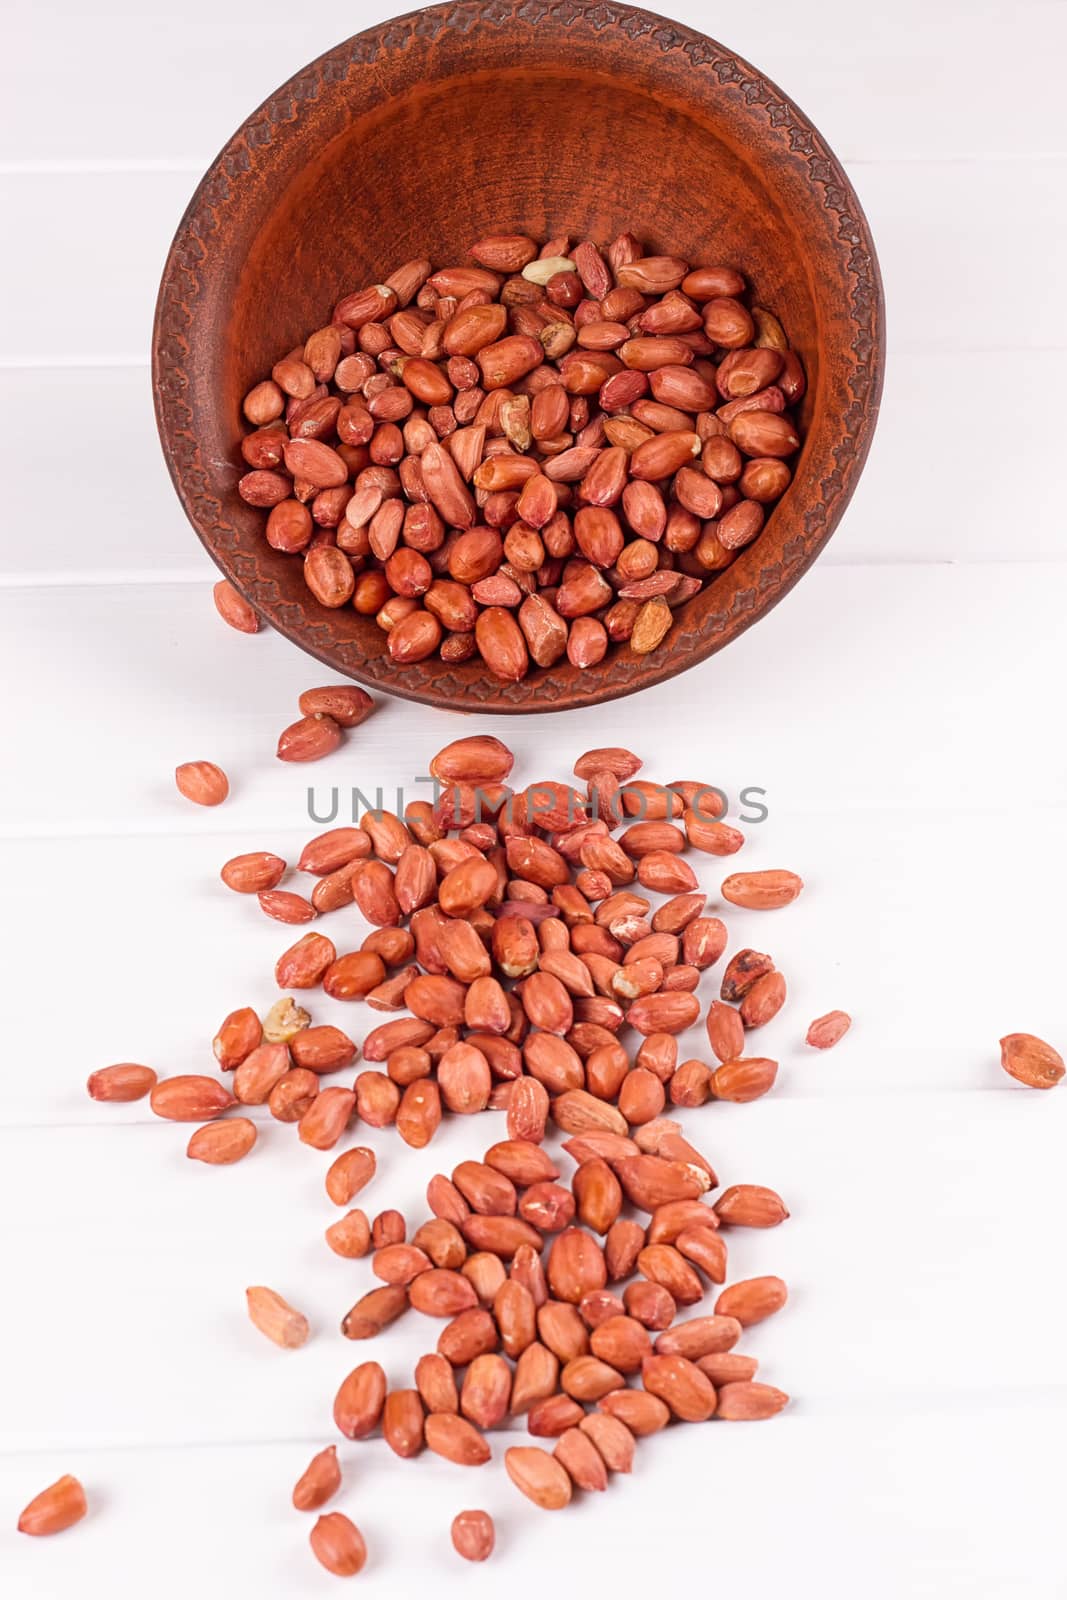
(903, 709)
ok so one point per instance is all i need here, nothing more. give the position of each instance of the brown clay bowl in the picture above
(421, 135)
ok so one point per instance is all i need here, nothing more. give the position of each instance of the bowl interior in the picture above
(522, 151)
(440, 140)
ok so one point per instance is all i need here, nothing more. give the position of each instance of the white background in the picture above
(903, 710)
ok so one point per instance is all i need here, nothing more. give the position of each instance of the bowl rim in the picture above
(796, 141)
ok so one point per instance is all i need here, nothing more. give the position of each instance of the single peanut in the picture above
(276, 1318)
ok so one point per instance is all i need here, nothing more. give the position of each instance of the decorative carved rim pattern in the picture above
(714, 617)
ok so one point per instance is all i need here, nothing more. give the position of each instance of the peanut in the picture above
(500, 380)
(202, 782)
(56, 1508)
(473, 1535)
(519, 982)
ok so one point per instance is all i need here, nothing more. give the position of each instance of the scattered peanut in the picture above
(202, 782)
(59, 1506)
(517, 935)
(473, 1535)
(276, 1318)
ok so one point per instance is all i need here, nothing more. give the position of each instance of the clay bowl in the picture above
(419, 136)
